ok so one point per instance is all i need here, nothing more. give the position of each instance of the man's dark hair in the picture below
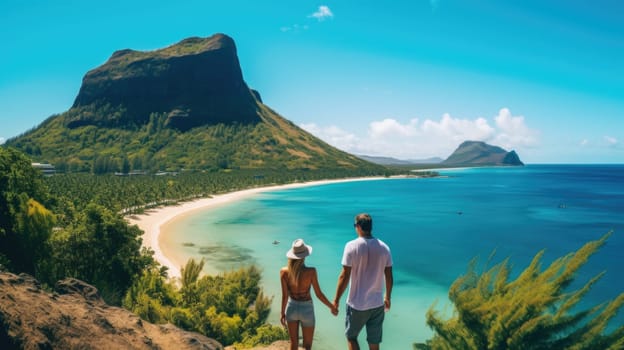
(365, 222)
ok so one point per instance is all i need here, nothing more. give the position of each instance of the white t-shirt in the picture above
(368, 258)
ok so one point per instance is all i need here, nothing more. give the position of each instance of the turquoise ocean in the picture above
(434, 227)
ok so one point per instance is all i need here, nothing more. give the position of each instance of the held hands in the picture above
(334, 308)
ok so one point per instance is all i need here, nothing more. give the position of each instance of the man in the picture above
(367, 266)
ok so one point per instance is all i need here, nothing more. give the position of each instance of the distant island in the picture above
(469, 153)
(478, 153)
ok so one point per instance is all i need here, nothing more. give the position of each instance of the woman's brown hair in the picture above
(294, 270)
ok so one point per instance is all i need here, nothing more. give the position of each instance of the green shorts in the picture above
(372, 319)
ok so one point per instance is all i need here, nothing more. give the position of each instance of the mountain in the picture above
(185, 106)
(74, 316)
(195, 82)
(432, 160)
(477, 153)
(394, 161)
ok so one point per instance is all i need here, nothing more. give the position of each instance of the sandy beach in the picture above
(152, 220)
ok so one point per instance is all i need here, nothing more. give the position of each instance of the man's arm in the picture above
(343, 281)
(389, 283)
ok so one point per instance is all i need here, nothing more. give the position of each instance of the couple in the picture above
(366, 265)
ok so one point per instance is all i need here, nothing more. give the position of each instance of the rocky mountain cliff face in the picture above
(477, 153)
(197, 81)
(75, 317)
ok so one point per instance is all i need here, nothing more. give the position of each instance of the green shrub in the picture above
(534, 311)
(230, 307)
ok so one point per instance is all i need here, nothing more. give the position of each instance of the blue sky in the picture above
(407, 79)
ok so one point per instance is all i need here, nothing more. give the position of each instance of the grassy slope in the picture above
(273, 143)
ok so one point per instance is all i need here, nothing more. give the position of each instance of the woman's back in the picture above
(300, 290)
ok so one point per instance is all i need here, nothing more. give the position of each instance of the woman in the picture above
(297, 307)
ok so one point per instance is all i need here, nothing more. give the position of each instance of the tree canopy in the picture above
(534, 311)
(101, 248)
(230, 307)
(25, 222)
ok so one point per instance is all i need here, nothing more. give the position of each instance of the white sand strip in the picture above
(153, 219)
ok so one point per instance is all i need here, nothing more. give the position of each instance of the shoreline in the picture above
(153, 219)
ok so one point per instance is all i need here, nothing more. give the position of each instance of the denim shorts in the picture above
(302, 311)
(372, 318)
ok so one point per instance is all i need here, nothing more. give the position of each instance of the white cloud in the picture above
(611, 141)
(584, 142)
(458, 130)
(2, 140)
(333, 135)
(390, 127)
(322, 13)
(513, 132)
(429, 138)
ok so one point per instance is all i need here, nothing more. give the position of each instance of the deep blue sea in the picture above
(434, 227)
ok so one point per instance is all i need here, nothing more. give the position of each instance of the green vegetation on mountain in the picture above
(275, 143)
(477, 153)
(535, 311)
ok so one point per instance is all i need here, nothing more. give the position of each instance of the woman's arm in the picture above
(319, 293)
(284, 279)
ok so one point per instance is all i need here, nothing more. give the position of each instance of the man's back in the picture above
(367, 257)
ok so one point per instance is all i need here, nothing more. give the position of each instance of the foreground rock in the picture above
(76, 317)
